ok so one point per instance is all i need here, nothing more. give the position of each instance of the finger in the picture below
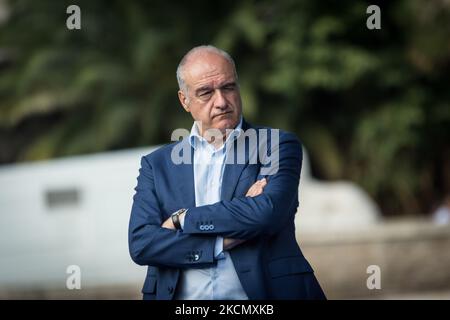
(256, 191)
(260, 185)
(254, 187)
(262, 181)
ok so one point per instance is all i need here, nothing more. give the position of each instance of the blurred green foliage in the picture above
(372, 106)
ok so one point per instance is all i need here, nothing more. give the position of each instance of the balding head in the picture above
(209, 89)
(194, 55)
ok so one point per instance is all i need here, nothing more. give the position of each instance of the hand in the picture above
(229, 243)
(168, 224)
(257, 188)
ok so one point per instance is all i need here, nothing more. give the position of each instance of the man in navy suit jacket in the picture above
(253, 218)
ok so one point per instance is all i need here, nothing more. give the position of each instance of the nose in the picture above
(219, 100)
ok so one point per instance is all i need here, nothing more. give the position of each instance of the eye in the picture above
(205, 94)
(229, 87)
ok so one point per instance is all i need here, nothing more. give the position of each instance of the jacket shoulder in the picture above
(161, 153)
(283, 134)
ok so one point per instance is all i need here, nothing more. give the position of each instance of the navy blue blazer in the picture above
(269, 264)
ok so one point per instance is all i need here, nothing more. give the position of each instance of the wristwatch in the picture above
(176, 218)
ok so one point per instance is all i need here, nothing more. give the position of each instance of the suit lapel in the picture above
(234, 169)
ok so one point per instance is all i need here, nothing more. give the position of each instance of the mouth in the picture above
(222, 114)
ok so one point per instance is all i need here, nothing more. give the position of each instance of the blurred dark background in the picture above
(371, 106)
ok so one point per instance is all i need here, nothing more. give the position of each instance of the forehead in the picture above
(205, 68)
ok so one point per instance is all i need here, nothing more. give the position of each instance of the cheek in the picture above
(202, 114)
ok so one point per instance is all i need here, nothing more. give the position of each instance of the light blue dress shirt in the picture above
(219, 282)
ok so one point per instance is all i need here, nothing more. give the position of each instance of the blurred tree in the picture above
(372, 106)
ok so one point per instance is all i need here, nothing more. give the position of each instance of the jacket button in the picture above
(170, 289)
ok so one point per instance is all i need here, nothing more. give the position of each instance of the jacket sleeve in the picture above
(151, 244)
(246, 217)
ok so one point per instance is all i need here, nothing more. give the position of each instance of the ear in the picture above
(183, 100)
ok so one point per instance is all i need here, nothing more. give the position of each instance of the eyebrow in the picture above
(204, 88)
(231, 83)
(207, 87)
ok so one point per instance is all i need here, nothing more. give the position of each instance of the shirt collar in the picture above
(196, 139)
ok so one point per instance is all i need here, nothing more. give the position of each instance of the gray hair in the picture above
(206, 48)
